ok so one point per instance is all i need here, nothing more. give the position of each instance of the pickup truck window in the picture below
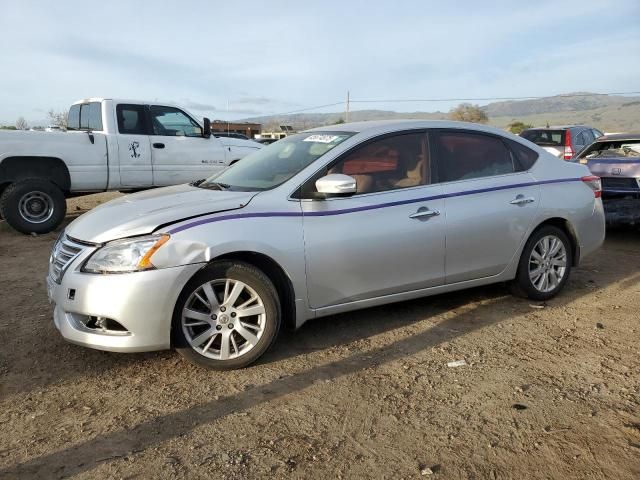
(170, 121)
(131, 119)
(85, 116)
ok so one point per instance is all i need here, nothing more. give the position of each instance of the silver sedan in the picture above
(325, 221)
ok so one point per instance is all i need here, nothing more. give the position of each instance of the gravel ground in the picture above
(547, 391)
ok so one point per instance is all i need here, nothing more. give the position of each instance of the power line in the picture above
(475, 99)
(480, 99)
(306, 109)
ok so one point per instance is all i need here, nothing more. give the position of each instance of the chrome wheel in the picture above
(547, 264)
(223, 319)
(35, 207)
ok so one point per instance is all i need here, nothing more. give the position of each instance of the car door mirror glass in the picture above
(336, 185)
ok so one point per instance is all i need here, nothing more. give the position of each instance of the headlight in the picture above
(127, 255)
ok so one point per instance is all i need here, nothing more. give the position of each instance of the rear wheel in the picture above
(33, 205)
(227, 316)
(545, 264)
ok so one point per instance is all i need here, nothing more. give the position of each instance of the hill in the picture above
(605, 112)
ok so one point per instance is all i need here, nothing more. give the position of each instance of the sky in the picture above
(231, 60)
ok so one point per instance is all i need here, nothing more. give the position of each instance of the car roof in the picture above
(618, 137)
(558, 127)
(381, 126)
(128, 101)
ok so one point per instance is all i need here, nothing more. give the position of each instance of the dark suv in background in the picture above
(562, 141)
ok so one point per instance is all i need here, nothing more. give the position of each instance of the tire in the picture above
(217, 338)
(556, 268)
(33, 205)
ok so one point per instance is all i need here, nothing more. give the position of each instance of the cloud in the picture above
(200, 107)
(293, 56)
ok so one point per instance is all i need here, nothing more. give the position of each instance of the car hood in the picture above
(141, 213)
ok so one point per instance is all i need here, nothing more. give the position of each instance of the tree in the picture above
(21, 124)
(58, 119)
(466, 112)
(518, 127)
(339, 121)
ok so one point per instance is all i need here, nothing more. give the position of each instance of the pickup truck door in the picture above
(180, 153)
(134, 154)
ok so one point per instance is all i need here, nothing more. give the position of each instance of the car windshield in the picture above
(552, 138)
(627, 148)
(275, 164)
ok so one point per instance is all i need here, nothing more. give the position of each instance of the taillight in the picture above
(594, 184)
(568, 151)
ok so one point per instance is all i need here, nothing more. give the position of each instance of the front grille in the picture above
(64, 252)
(620, 183)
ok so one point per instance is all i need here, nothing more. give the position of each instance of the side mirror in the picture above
(336, 185)
(206, 131)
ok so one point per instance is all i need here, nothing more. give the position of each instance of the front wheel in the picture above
(545, 264)
(33, 205)
(227, 316)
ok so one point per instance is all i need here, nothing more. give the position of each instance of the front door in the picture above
(490, 202)
(134, 154)
(387, 238)
(180, 153)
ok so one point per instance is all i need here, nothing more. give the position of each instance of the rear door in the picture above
(134, 154)
(180, 153)
(489, 201)
(86, 155)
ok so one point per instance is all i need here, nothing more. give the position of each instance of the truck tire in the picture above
(33, 205)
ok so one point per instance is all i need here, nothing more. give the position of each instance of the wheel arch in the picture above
(281, 280)
(566, 226)
(16, 168)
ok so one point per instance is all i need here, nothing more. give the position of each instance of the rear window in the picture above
(551, 138)
(85, 116)
(466, 155)
(525, 157)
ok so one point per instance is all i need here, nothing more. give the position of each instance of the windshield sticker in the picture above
(321, 138)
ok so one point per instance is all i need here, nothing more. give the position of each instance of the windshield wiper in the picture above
(214, 185)
(196, 183)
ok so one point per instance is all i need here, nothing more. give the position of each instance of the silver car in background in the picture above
(322, 222)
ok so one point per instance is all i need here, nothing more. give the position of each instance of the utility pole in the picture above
(347, 110)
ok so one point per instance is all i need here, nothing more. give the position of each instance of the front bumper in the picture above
(141, 302)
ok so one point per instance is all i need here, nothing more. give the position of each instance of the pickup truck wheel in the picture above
(227, 316)
(33, 205)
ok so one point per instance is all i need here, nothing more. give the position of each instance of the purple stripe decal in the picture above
(236, 216)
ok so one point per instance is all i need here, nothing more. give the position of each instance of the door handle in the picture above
(424, 212)
(522, 200)
(158, 145)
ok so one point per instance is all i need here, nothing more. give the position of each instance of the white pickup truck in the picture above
(109, 145)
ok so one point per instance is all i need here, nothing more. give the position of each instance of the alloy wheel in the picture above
(547, 263)
(223, 319)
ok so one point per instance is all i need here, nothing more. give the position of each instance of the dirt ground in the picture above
(549, 391)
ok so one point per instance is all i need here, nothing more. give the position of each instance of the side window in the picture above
(171, 121)
(91, 116)
(393, 162)
(131, 119)
(524, 157)
(588, 137)
(466, 155)
(596, 133)
(73, 119)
